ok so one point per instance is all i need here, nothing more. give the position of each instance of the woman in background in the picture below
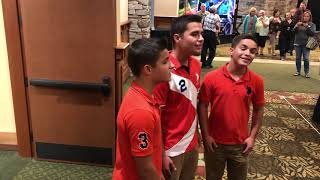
(285, 36)
(274, 26)
(262, 30)
(249, 22)
(303, 30)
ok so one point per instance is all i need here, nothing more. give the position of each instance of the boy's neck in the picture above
(236, 70)
(180, 56)
(145, 83)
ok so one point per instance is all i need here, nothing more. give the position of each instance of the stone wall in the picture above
(139, 15)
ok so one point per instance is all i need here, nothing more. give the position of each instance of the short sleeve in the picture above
(141, 131)
(160, 93)
(205, 93)
(258, 98)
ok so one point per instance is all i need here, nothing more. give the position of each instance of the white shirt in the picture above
(211, 22)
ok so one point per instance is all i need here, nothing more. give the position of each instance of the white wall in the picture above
(121, 16)
(7, 123)
(123, 11)
(166, 8)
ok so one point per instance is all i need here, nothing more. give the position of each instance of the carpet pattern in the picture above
(35, 170)
(287, 147)
(13, 167)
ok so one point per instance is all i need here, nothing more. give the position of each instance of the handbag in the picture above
(312, 43)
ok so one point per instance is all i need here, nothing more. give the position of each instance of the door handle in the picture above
(105, 86)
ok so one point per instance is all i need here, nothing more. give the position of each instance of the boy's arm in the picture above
(208, 141)
(146, 169)
(204, 97)
(257, 115)
(167, 165)
(161, 94)
(141, 125)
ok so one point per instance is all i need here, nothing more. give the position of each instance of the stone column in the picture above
(139, 15)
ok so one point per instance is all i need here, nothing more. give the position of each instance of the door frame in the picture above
(16, 69)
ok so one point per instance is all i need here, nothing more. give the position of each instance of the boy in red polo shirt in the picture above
(139, 144)
(179, 100)
(230, 91)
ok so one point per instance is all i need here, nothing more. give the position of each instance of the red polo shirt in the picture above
(230, 102)
(138, 133)
(178, 116)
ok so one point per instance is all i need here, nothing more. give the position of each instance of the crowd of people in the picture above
(158, 122)
(288, 33)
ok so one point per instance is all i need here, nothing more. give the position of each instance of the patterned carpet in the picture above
(287, 148)
(13, 167)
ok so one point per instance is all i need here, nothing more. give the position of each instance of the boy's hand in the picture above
(168, 166)
(209, 144)
(249, 142)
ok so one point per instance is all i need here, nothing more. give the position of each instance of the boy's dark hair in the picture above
(144, 51)
(179, 24)
(236, 40)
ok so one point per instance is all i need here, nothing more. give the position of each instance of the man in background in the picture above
(211, 27)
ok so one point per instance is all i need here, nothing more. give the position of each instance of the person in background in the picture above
(285, 36)
(249, 22)
(303, 30)
(139, 145)
(274, 26)
(292, 12)
(203, 13)
(178, 99)
(262, 30)
(298, 14)
(211, 27)
(230, 91)
(291, 48)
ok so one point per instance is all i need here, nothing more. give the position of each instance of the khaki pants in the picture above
(237, 162)
(272, 39)
(186, 165)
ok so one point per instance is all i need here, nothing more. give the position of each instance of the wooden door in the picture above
(69, 61)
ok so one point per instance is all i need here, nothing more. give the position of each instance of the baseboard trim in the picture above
(8, 141)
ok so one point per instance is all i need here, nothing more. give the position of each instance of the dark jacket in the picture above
(286, 30)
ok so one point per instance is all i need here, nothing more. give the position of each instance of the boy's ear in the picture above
(147, 69)
(231, 50)
(176, 37)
